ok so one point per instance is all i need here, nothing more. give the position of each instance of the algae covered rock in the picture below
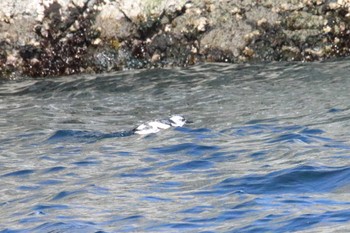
(45, 38)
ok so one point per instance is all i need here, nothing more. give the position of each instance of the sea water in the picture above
(268, 150)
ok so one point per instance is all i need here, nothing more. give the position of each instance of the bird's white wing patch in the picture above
(160, 125)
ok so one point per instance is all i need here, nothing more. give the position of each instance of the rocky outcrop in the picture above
(45, 38)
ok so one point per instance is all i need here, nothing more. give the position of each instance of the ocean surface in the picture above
(268, 150)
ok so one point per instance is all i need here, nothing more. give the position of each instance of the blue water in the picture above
(268, 151)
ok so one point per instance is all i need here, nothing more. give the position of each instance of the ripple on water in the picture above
(300, 179)
(54, 169)
(250, 162)
(65, 194)
(68, 226)
(21, 173)
(188, 148)
(77, 136)
(191, 166)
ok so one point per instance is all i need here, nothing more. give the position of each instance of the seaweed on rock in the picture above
(63, 42)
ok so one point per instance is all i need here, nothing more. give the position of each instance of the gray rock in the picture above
(62, 37)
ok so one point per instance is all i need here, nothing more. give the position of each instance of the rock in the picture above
(42, 38)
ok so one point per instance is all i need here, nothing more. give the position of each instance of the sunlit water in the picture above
(268, 151)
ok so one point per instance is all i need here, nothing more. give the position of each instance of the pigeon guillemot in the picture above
(157, 125)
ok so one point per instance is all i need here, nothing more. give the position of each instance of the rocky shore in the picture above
(47, 38)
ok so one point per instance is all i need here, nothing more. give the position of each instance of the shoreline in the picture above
(47, 38)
